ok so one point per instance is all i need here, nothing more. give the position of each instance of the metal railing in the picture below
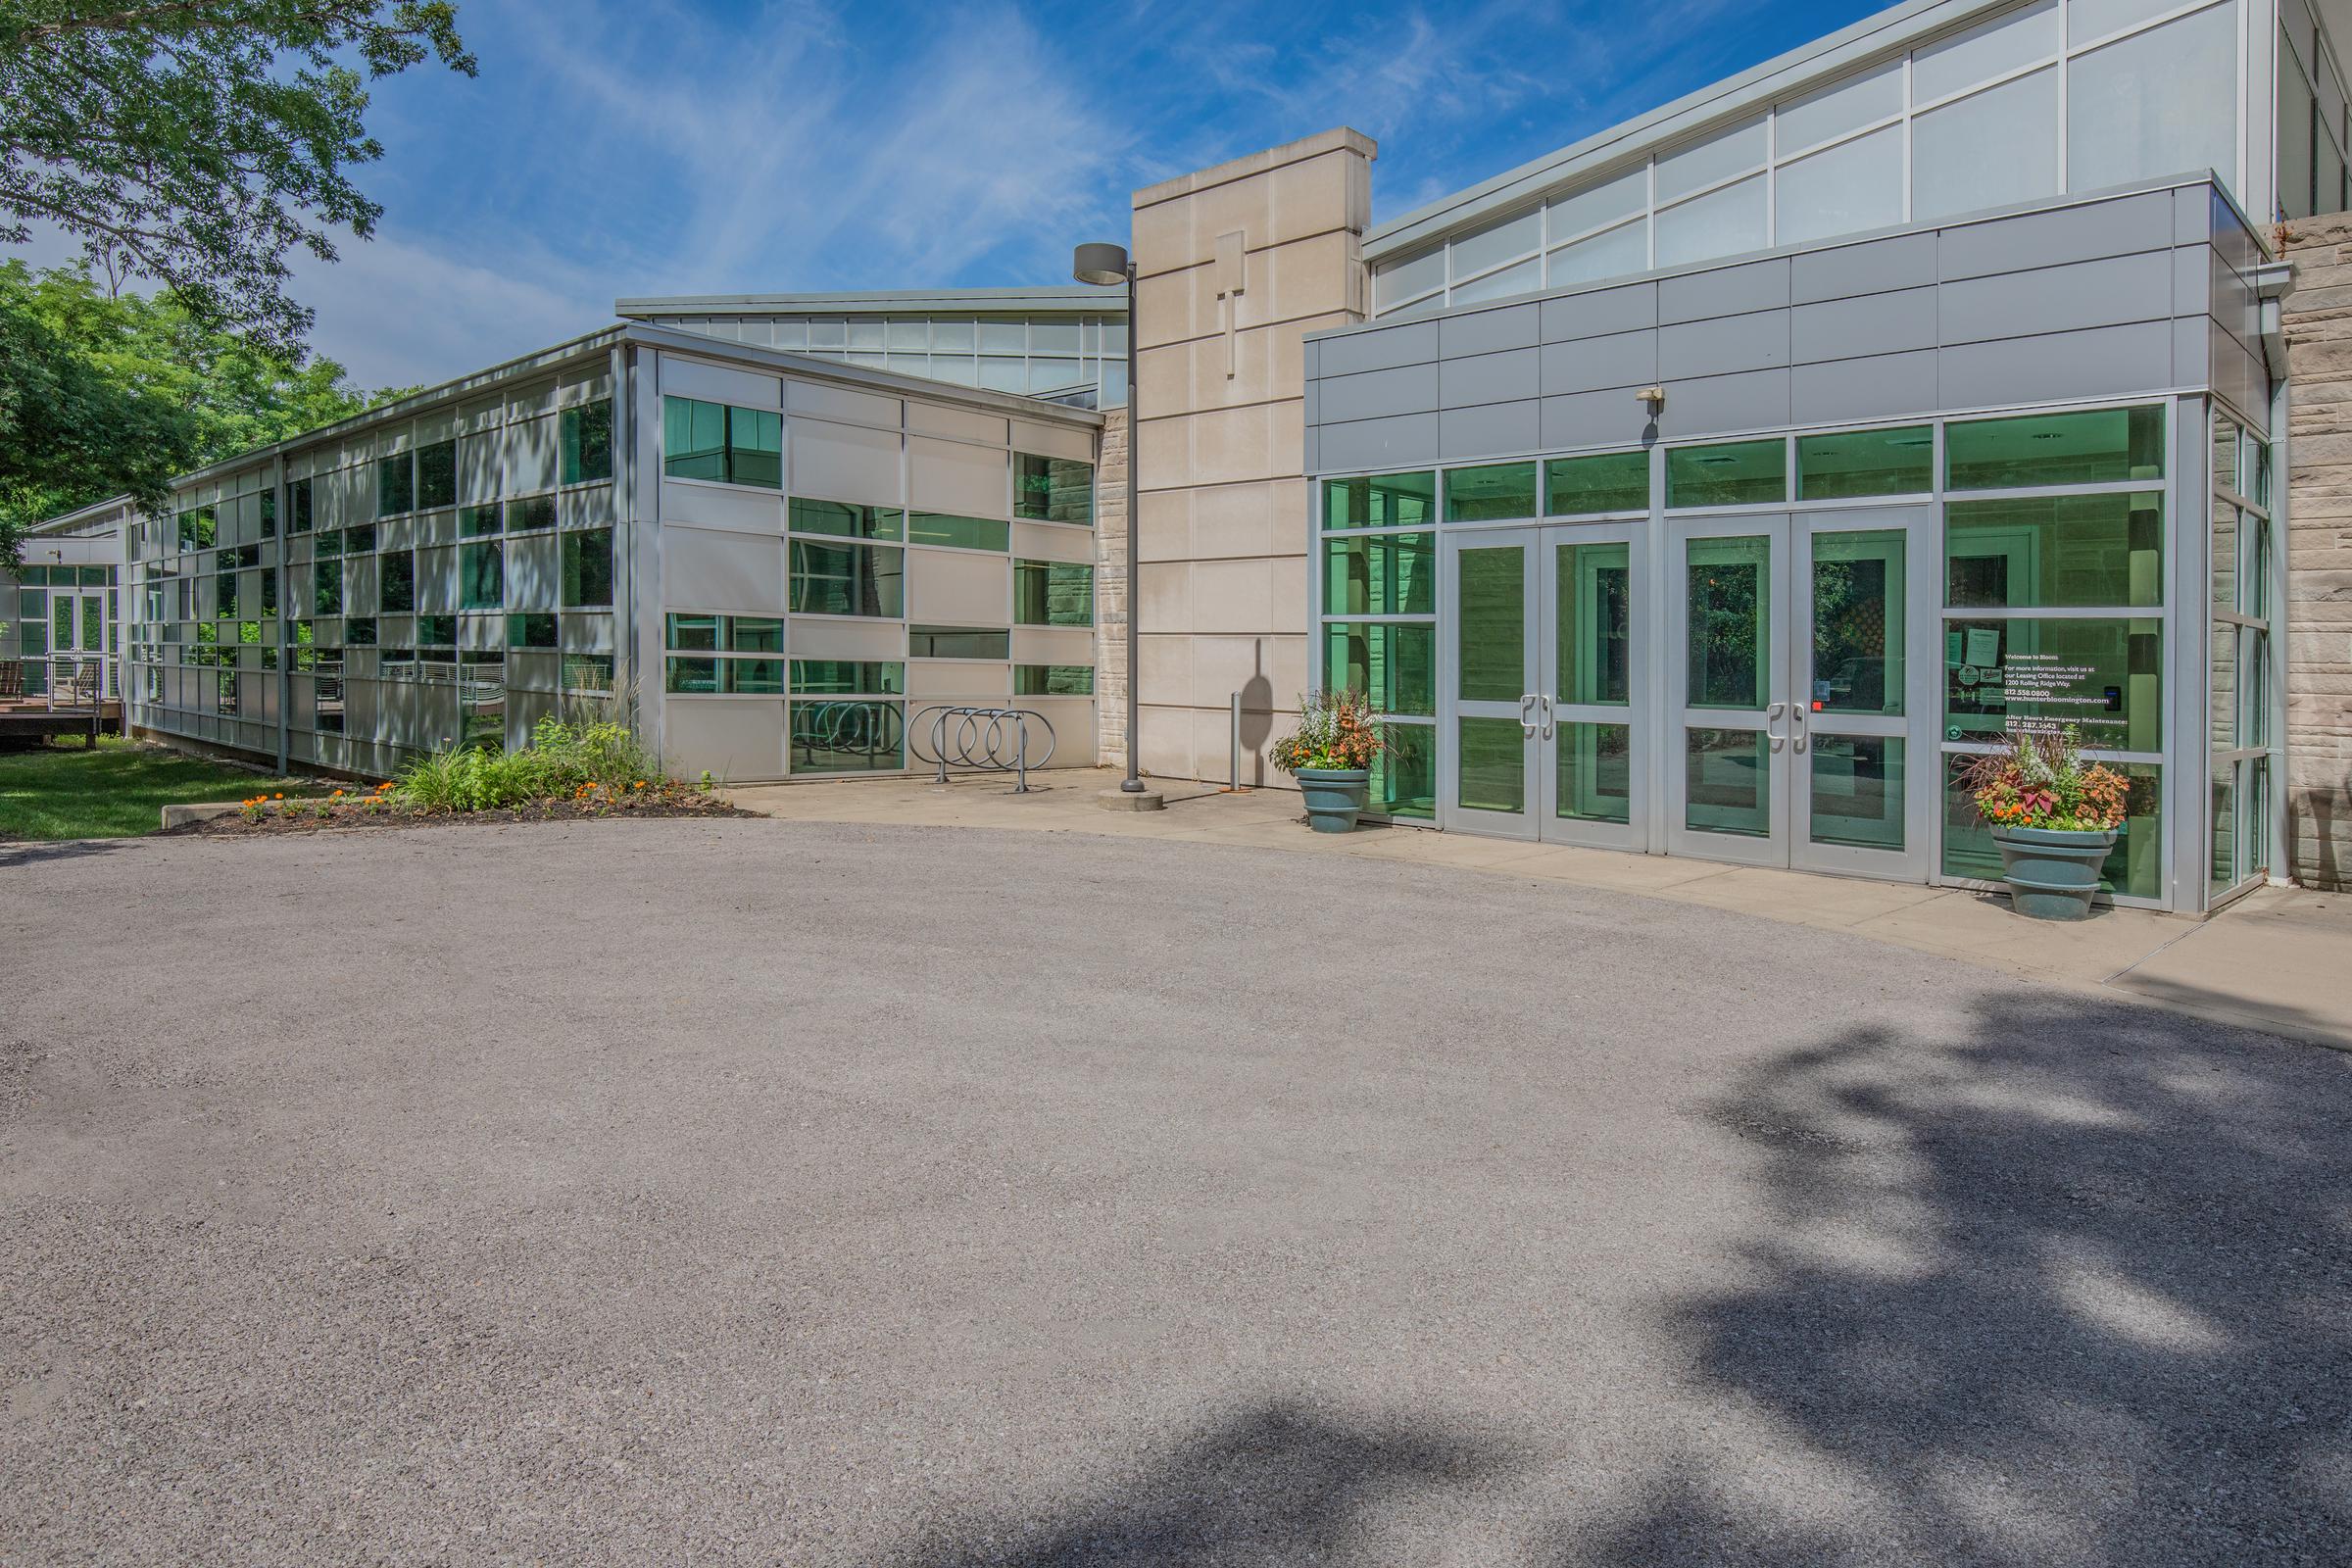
(980, 737)
(64, 682)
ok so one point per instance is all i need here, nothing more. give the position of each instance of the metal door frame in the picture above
(1452, 816)
(1637, 716)
(1771, 716)
(1914, 726)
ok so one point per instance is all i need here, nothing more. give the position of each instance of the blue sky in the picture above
(613, 147)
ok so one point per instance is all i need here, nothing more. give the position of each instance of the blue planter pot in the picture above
(2051, 875)
(1335, 797)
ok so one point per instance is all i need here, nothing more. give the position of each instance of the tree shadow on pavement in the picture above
(2075, 1286)
(1276, 1484)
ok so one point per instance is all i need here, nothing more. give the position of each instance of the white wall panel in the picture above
(845, 462)
(950, 476)
(958, 587)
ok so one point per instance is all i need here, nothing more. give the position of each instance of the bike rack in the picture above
(980, 737)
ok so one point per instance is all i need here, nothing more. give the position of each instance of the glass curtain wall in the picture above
(2053, 96)
(2054, 583)
(2239, 721)
(1379, 626)
(1054, 357)
(410, 601)
(2054, 601)
(2313, 135)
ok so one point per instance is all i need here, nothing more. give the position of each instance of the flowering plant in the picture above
(1336, 734)
(2040, 780)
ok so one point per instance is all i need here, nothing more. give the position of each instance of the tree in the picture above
(171, 140)
(103, 394)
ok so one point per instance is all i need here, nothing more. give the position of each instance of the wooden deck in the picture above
(30, 718)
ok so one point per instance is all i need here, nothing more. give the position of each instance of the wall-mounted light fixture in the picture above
(1655, 397)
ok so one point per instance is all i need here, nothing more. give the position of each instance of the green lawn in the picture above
(65, 792)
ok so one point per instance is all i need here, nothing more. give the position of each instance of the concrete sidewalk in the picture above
(2277, 959)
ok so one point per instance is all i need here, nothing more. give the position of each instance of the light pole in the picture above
(1108, 265)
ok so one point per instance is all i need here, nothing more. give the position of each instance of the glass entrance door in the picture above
(1796, 680)
(1491, 687)
(1861, 604)
(1595, 766)
(1726, 689)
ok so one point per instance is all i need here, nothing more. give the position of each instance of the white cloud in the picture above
(400, 312)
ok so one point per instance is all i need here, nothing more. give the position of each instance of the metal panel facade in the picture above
(2089, 299)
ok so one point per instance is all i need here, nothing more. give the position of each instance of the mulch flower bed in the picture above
(380, 807)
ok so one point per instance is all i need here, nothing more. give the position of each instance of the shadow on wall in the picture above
(2070, 1285)
(2077, 1289)
(1279, 1484)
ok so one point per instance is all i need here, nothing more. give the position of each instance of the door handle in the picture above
(1527, 727)
(1547, 711)
(1772, 717)
(1796, 725)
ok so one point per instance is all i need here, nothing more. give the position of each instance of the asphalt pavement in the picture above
(806, 1192)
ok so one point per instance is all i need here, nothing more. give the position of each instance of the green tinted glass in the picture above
(1394, 664)
(754, 634)
(693, 439)
(1596, 767)
(396, 588)
(1738, 474)
(2076, 552)
(963, 534)
(482, 576)
(588, 569)
(1500, 491)
(1856, 784)
(396, 484)
(844, 521)
(1053, 593)
(1613, 481)
(958, 642)
(847, 736)
(1858, 620)
(532, 631)
(756, 447)
(1491, 619)
(848, 677)
(587, 442)
(1729, 611)
(1594, 612)
(1866, 463)
(1052, 680)
(691, 676)
(1380, 501)
(2105, 677)
(1405, 776)
(475, 521)
(1726, 783)
(847, 579)
(1491, 764)
(1052, 489)
(438, 475)
(753, 677)
(2104, 446)
(1381, 574)
(692, 633)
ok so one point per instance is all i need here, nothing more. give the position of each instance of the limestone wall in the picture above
(1233, 266)
(2318, 322)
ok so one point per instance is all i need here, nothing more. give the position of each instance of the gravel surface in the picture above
(729, 1190)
